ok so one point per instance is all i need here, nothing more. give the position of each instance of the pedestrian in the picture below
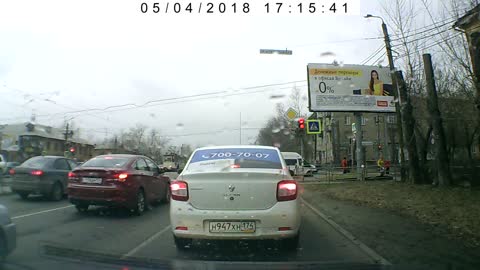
(387, 166)
(344, 165)
(381, 166)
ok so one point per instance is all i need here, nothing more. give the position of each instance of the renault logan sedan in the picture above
(235, 192)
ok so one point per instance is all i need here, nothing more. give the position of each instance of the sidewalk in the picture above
(402, 240)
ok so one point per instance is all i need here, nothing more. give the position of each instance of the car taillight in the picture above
(36, 172)
(286, 190)
(179, 190)
(72, 176)
(122, 177)
(12, 171)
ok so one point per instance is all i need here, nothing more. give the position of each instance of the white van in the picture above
(294, 162)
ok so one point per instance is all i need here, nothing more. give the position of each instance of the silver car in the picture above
(8, 233)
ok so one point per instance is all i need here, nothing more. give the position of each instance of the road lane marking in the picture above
(370, 252)
(42, 212)
(146, 242)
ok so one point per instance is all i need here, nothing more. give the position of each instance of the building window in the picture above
(348, 120)
(48, 145)
(364, 121)
(391, 119)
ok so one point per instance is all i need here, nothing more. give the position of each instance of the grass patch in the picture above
(456, 209)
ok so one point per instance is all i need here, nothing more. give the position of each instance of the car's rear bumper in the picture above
(10, 234)
(98, 195)
(32, 186)
(267, 222)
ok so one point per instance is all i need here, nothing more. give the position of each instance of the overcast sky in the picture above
(60, 56)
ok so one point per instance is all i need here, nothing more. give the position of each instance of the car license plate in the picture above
(232, 226)
(89, 180)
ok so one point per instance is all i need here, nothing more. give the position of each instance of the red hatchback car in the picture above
(130, 181)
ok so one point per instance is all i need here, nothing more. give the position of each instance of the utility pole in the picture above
(396, 94)
(444, 176)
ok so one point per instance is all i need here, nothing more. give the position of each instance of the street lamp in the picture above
(392, 71)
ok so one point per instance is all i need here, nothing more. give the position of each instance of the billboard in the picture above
(349, 88)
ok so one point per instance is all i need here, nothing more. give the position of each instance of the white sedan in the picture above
(235, 192)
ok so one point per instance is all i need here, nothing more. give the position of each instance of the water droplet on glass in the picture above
(277, 145)
(275, 130)
(286, 132)
(352, 85)
(304, 98)
(339, 83)
(327, 54)
(152, 115)
(341, 63)
(277, 96)
(179, 126)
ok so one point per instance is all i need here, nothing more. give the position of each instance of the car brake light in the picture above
(12, 171)
(36, 173)
(179, 190)
(72, 176)
(286, 190)
(122, 177)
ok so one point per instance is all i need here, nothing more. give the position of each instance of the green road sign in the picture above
(314, 127)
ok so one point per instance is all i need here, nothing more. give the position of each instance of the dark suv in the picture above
(46, 175)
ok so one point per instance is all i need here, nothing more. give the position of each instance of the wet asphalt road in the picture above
(43, 223)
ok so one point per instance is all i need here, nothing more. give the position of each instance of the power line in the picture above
(50, 101)
(175, 100)
(424, 37)
(430, 46)
(379, 58)
(404, 35)
(375, 53)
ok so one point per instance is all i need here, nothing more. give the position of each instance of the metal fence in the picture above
(331, 173)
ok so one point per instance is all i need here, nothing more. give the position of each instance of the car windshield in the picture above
(106, 162)
(36, 162)
(291, 162)
(234, 158)
(242, 134)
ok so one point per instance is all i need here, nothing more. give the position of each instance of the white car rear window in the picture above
(232, 158)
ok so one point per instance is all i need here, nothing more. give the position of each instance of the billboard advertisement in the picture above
(349, 88)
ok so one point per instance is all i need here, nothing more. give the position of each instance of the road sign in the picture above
(268, 51)
(314, 127)
(291, 113)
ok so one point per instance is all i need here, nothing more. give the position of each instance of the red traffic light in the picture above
(301, 123)
(72, 149)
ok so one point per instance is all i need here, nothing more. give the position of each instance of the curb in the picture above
(370, 252)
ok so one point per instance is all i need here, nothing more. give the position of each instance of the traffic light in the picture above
(301, 124)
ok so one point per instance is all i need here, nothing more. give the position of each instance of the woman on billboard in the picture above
(376, 85)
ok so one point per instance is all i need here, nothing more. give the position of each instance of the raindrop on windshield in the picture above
(275, 130)
(277, 96)
(152, 115)
(339, 83)
(179, 126)
(286, 132)
(327, 54)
